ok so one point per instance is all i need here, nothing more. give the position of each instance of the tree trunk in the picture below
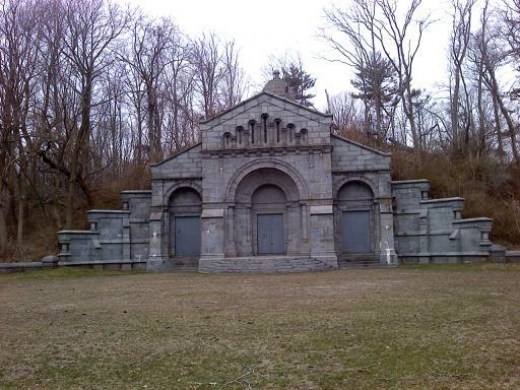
(19, 230)
(69, 203)
(507, 116)
(3, 228)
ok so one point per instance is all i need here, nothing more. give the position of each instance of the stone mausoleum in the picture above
(270, 188)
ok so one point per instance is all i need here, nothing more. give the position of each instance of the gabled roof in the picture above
(361, 145)
(257, 96)
(176, 154)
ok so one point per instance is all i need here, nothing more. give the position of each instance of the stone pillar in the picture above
(155, 254)
(212, 238)
(322, 234)
(231, 247)
(126, 238)
(293, 229)
(305, 222)
(424, 237)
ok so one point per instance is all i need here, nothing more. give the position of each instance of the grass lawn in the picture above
(430, 327)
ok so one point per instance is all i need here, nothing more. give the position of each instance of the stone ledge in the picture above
(100, 262)
(21, 266)
(512, 257)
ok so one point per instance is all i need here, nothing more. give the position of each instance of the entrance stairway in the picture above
(178, 264)
(257, 264)
(362, 262)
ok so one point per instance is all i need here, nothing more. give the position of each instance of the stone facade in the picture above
(269, 188)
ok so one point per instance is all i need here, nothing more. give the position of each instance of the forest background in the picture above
(93, 92)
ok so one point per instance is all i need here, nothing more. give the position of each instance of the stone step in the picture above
(362, 261)
(178, 264)
(367, 266)
(263, 264)
(512, 257)
(364, 264)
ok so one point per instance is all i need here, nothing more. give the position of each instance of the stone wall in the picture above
(114, 235)
(270, 159)
(433, 230)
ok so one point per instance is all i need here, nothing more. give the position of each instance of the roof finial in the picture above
(279, 86)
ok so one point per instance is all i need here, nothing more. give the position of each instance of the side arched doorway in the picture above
(355, 220)
(184, 212)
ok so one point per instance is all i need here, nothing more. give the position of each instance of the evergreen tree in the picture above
(376, 81)
(300, 82)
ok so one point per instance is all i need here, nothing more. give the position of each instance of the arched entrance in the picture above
(270, 208)
(268, 214)
(355, 218)
(184, 212)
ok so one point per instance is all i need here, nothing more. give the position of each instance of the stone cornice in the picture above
(273, 150)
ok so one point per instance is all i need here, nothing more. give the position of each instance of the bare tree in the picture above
(148, 60)
(207, 61)
(460, 106)
(511, 21)
(179, 94)
(91, 33)
(488, 56)
(346, 113)
(88, 94)
(358, 25)
(402, 51)
(17, 71)
(374, 27)
(234, 85)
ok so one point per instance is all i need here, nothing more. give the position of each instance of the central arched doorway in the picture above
(270, 207)
(268, 215)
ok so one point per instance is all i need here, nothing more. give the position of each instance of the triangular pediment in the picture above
(266, 121)
(266, 100)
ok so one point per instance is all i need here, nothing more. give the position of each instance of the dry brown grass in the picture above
(407, 328)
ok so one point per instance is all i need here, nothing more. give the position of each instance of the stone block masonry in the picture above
(270, 189)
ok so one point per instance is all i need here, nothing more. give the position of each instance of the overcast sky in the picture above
(274, 27)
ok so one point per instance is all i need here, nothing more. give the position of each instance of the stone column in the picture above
(292, 229)
(126, 238)
(305, 222)
(424, 237)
